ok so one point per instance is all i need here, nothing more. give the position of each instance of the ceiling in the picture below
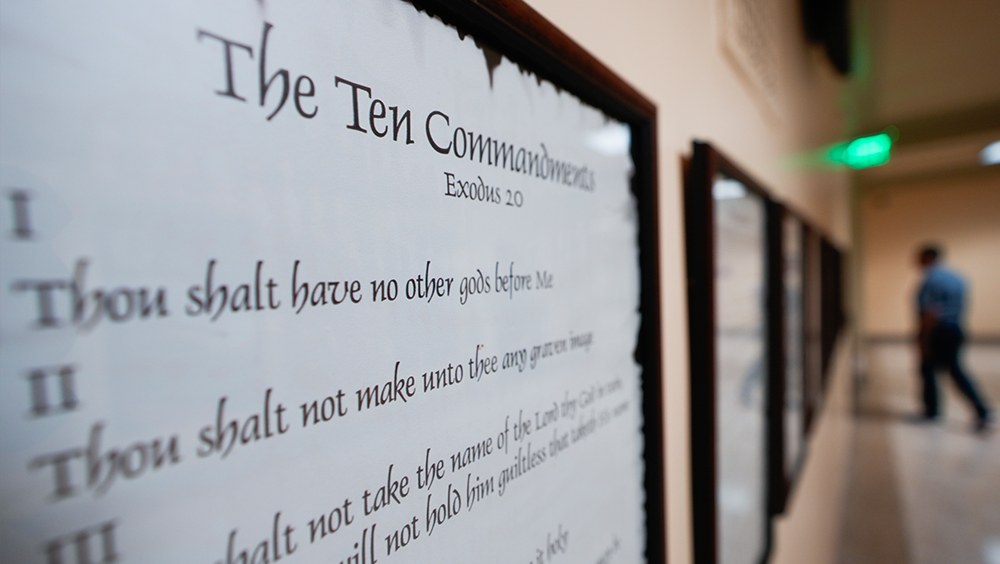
(931, 69)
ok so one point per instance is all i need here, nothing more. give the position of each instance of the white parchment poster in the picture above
(309, 282)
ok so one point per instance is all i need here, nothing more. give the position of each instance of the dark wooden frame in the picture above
(705, 163)
(832, 317)
(513, 29)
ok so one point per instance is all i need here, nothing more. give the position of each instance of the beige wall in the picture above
(962, 213)
(670, 50)
(810, 530)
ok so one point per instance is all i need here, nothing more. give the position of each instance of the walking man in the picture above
(940, 307)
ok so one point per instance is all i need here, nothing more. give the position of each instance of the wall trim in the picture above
(986, 339)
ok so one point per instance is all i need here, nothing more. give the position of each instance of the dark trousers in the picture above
(943, 349)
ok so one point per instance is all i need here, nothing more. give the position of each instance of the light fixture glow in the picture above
(990, 155)
(728, 189)
(611, 140)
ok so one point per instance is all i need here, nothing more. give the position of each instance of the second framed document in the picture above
(728, 214)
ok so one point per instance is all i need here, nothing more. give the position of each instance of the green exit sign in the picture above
(863, 152)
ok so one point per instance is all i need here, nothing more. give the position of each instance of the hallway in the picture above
(921, 493)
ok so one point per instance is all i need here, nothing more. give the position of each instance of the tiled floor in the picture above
(922, 493)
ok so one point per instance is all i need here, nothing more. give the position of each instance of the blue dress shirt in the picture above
(942, 293)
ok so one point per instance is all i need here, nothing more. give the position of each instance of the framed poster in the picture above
(729, 299)
(333, 281)
(813, 316)
(788, 420)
